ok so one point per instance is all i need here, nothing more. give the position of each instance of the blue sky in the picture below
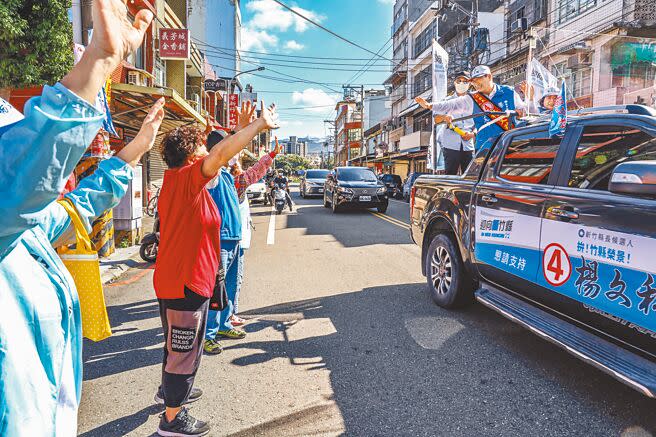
(268, 28)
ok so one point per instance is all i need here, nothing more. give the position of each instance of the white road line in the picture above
(271, 235)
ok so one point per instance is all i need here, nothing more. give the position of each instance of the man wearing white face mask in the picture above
(458, 147)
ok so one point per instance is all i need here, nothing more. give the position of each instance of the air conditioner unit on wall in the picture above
(519, 25)
(137, 78)
(579, 60)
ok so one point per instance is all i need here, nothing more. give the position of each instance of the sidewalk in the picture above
(112, 267)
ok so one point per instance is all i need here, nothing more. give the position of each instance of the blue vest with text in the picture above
(504, 99)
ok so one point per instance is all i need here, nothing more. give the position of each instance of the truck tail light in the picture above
(413, 191)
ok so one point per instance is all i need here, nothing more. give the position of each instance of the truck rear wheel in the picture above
(447, 282)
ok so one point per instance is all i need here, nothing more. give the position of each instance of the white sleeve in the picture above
(519, 103)
(462, 104)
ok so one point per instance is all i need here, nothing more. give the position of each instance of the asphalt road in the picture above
(345, 341)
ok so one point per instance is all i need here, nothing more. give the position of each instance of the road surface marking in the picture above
(271, 236)
(392, 221)
(132, 279)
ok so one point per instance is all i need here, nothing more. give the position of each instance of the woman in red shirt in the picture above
(188, 260)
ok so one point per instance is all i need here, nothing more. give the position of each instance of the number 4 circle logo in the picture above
(556, 265)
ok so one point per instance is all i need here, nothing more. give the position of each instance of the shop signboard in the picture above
(174, 43)
(233, 103)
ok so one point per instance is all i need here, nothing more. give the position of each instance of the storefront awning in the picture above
(131, 103)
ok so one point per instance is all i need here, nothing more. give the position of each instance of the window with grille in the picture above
(424, 39)
(422, 122)
(422, 81)
(569, 9)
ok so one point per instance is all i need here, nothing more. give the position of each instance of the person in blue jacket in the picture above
(40, 323)
(488, 96)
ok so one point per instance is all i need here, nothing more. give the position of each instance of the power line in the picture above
(328, 30)
(201, 43)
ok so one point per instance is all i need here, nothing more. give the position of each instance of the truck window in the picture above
(529, 158)
(601, 148)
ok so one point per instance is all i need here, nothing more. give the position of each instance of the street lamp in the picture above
(232, 81)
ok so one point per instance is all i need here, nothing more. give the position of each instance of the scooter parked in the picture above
(150, 242)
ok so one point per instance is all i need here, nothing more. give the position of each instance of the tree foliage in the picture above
(292, 163)
(36, 42)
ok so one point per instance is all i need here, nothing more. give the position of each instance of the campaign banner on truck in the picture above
(611, 273)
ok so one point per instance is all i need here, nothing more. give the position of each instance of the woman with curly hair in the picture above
(188, 260)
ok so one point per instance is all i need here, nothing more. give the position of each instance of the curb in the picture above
(112, 269)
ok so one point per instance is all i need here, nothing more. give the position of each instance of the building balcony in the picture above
(414, 140)
(399, 93)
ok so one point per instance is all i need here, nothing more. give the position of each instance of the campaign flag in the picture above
(541, 81)
(559, 114)
(434, 158)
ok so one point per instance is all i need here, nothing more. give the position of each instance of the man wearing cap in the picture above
(457, 140)
(488, 97)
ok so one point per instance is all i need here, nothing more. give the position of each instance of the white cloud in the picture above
(293, 45)
(257, 40)
(270, 15)
(312, 97)
(386, 2)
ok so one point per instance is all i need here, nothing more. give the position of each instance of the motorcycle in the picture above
(279, 198)
(150, 243)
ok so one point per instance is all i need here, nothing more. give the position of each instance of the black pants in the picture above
(184, 322)
(455, 160)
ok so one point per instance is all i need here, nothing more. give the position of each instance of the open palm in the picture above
(269, 116)
(114, 35)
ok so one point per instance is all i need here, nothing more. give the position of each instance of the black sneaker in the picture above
(183, 425)
(195, 394)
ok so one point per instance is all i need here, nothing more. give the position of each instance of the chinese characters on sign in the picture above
(587, 285)
(174, 43)
(233, 102)
(600, 245)
(513, 261)
(498, 228)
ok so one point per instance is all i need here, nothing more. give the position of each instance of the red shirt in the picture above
(189, 244)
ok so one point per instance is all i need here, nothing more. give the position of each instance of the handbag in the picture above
(83, 265)
(219, 299)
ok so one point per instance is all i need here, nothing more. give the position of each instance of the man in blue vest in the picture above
(488, 97)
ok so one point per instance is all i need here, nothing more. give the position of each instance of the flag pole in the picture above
(529, 71)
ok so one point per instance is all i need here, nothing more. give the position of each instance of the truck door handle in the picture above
(489, 198)
(563, 213)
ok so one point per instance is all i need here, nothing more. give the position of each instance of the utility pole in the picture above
(473, 61)
(362, 147)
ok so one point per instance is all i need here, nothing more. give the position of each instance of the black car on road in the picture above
(354, 186)
(407, 185)
(556, 233)
(312, 182)
(393, 184)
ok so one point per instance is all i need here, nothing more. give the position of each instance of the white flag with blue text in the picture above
(435, 159)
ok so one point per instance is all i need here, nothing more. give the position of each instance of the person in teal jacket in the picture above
(40, 323)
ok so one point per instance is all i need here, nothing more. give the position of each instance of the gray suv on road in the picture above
(312, 182)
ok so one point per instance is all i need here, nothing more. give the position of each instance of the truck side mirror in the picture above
(637, 178)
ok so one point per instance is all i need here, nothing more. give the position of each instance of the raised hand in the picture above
(114, 35)
(278, 147)
(268, 115)
(145, 139)
(423, 103)
(245, 115)
(152, 122)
